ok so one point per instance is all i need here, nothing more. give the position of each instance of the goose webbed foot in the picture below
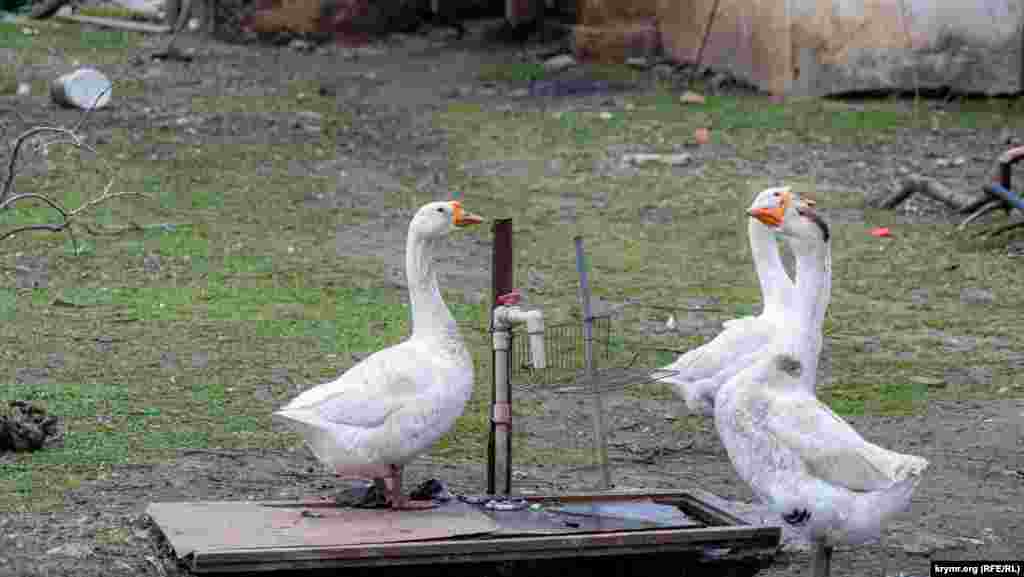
(797, 517)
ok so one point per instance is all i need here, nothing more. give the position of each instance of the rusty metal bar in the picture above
(502, 273)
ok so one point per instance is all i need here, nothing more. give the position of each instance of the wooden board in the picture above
(227, 525)
(225, 537)
(117, 23)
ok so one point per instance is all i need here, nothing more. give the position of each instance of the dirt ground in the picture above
(970, 506)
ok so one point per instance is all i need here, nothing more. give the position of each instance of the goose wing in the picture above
(741, 339)
(368, 393)
(828, 446)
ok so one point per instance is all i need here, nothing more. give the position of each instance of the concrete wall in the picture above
(815, 47)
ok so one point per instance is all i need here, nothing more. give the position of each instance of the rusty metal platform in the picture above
(694, 528)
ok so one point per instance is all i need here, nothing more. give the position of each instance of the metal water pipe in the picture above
(506, 316)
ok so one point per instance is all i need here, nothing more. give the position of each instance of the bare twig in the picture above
(707, 35)
(928, 187)
(19, 142)
(102, 199)
(89, 109)
(64, 136)
(48, 227)
(1002, 229)
(986, 208)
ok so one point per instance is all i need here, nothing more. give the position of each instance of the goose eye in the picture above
(440, 209)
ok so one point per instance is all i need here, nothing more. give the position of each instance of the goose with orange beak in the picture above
(808, 464)
(395, 404)
(698, 373)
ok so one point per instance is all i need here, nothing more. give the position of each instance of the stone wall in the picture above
(818, 47)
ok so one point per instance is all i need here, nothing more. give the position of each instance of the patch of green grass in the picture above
(884, 398)
(12, 36)
(202, 199)
(657, 391)
(105, 39)
(513, 72)
(8, 303)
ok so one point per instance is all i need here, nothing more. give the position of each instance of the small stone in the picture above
(300, 45)
(310, 116)
(638, 63)
(560, 62)
(519, 93)
(690, 97)
(606, 115)
(976, 296)
(151, 263)
(720, 80)
(24, 89)
(664, 71)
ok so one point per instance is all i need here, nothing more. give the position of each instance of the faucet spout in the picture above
(505, 317)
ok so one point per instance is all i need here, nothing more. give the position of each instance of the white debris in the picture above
(640, 159)
(560, 62)
(84, 88)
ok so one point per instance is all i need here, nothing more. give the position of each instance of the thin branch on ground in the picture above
(67, 217)
(89, 109)
(1002, 229)
(18, 143)
(955, 199)
(986, 208)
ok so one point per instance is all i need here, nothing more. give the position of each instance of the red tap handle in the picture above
(510, 299)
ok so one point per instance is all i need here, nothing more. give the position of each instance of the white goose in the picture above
(797, 455)
(701, 371)
(396, 403)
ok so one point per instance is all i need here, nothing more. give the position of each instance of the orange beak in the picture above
(463, 218)
(773, 216)
(768, 216)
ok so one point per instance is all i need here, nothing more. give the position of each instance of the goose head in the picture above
(436, 219)
(789, 214)
(769, 206)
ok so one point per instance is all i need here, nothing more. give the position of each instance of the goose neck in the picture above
(430, 315)
(775, 282)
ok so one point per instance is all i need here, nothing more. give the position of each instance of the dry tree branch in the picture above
(64, 136)
(88, 110)
(18, 143)
(928, 187)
